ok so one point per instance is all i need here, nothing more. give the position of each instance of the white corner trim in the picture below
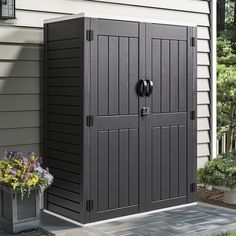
(213, 80)
(117, 17)
(122, 217)
(62, 217)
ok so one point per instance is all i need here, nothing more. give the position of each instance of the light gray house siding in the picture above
(21, 61)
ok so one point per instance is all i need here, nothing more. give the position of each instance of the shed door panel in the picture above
(114, 104)
(169, 130)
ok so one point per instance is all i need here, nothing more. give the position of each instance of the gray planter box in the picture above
(17, 215)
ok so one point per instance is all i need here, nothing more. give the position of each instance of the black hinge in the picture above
(89, 205)
(89, 121)
(193, 41)
(193, 187)
(89, 35)
(192, 115)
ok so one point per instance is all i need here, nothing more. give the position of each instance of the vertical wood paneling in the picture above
(123, 75)
(182, 76)
(113, 169)
(103, 171)
(182, 160)
(169, 73)
(156, 164)
(133, 75)
(174, 161)
(123, 168)
(133, 166)
(174, 83)
(103, 75)
(156, 76)
(113, 76)
(165, 155)
(115, 189)
(165, 76)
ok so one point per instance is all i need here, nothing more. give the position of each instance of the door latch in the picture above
(193, 187)
(145, 111)
(89, 205)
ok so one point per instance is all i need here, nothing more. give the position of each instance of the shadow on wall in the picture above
(21, 100)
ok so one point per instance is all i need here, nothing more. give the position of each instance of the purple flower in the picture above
(27, 175)
(22, 157)
(11, 154)
(34, 165)
(13, 172)
(25, 161)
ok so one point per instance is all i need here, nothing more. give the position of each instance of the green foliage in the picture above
(230, 24)
(226, 94)
(225, 53)
(223, 47)
(220, 171)
(226, 89)
(228, 234)
(229, 14)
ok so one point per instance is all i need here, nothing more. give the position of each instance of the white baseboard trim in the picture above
(63, 218)
(122, 217)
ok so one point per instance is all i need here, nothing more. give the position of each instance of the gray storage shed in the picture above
(21, 59)
(120, 113)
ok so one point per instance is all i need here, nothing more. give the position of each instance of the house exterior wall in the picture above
(21, 72)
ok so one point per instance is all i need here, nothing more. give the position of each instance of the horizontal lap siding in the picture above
(183, 5)
(25, 17)
(21, 59)
(20, 89)
(23, 148)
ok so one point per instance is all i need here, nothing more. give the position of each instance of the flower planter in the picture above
(17, 215)
(229, 195)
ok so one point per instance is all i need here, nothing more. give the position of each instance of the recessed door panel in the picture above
(115, 107)
(169, 142)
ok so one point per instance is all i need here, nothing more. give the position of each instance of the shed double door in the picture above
(142, 145)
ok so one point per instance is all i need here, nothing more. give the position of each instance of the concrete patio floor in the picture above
(199, 219)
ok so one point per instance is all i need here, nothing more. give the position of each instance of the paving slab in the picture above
(200, 220)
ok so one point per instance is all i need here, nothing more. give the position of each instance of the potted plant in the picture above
(221, 174)
(21, 180)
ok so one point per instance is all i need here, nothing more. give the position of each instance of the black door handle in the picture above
(141, 87)
(149, 88)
